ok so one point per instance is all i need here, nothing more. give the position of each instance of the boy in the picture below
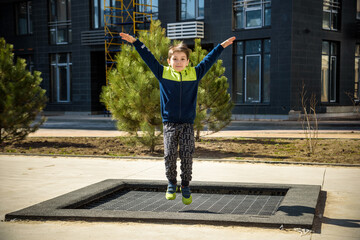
(178, 92)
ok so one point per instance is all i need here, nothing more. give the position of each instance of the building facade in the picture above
(280, 47)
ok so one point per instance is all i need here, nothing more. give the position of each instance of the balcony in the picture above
(185, 30)
(93, 37)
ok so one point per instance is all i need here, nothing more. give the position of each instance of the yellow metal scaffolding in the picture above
(129, 16)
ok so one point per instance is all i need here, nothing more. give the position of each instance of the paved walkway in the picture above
(351, 134)
(25, 181)
(103, 126)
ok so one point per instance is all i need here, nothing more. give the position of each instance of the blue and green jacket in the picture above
(178, 90)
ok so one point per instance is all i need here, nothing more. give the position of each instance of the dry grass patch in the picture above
(327, 151)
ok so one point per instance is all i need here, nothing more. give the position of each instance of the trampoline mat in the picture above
(239, 204)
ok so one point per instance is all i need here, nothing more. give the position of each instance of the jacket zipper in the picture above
(180, 96)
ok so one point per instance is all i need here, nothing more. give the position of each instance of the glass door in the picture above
(252, 78)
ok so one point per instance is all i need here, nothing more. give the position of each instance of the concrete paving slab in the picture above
(287, 174)
(100, 122)
(332, 237)
(68, 125)
(137, 231)
(345, 134)
(43, 178)
(347, 181)
(343, 194)
(25, 181)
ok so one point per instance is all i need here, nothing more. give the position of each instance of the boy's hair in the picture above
(180, 47)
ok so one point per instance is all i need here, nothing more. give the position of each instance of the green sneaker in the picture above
(171, 191)
(186, 195)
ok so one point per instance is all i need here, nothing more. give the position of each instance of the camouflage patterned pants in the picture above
(178, 136)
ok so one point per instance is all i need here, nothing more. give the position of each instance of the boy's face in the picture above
(178, 61)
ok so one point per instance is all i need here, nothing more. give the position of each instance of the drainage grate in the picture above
(238, 204)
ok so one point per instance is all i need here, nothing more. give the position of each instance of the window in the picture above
(60, 77)
(148, 7)
(329, 63)
(155, 9)
(357, 72)
(331, 14)
(252, 66)
(191, 9)
(23, 18)
(358, 9)
(145, 11)
(60, 21)
(252, 14)
(97, 20)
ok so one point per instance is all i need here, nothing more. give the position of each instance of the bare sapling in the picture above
(310, 123)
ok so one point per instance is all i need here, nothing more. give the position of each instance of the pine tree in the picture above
(133, 94)
(214, 103)
(21, 97)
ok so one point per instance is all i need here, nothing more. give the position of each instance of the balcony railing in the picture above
(93, 37)
(60, 32)
(184, 30)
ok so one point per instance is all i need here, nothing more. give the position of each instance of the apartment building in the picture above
(280, 45)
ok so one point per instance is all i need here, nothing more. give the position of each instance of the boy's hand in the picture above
(127, 37)
(228, 42)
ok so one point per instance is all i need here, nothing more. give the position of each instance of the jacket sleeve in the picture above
(203, 67)
(149, 59)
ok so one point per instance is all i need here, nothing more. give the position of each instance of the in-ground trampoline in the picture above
(270, 205)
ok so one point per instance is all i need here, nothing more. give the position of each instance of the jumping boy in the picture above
(178, 92)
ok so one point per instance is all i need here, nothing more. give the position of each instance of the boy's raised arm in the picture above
(209, 60)
(228, 42)
(145, 54)
(127, 37)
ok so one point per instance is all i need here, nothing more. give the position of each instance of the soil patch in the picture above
(267, 149)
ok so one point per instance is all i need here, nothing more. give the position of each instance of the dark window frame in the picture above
(264, 81)
(334, 15)
(330, 95)
(197, 16)
(243, 7)
(29, 22)
(356, 94)
(99, 11)
(54, 79)
(59, 27)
